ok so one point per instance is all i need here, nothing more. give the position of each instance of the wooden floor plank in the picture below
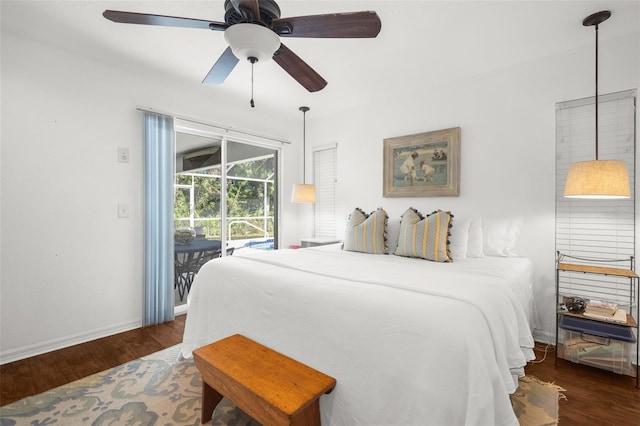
(40, 373)
(594, 396)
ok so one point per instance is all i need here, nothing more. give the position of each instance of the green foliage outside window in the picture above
(245, 198)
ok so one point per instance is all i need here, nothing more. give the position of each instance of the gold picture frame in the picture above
(423, 165)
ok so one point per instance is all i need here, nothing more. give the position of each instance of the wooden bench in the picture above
(270, 387)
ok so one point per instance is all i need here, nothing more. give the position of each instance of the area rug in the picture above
(160, 390)
(536, 402)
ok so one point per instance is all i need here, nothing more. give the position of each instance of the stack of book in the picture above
(604, 311)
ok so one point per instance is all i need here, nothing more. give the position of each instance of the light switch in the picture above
(123, 154)
(123, 210)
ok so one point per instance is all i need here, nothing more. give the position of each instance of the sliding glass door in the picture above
(251, 196)
(225, 201)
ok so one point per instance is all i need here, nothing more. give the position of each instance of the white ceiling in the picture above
(422, 43)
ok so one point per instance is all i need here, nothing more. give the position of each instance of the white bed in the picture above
(409, 341)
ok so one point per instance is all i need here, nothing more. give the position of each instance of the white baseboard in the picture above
(180, 310)
(544, 337)
(55, 344)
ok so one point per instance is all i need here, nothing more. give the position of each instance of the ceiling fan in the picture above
(253, 29)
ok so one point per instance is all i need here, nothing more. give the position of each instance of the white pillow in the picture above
(393, 234)
(501, 235)
(459, 238)
(475, 247)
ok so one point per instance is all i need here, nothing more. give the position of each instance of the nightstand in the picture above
(314, 242)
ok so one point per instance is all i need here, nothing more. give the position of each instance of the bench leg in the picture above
(210, 398)
(310, 416)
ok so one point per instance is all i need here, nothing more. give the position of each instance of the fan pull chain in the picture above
(253, 61)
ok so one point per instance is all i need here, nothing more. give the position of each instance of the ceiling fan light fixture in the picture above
(252, 31)
(252, 41)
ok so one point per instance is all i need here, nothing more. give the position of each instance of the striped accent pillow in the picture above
(426, 238)
(366, 233)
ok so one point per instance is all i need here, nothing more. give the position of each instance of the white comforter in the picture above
(410, 342)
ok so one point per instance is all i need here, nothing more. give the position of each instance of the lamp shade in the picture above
(303, 193)
(598, 179)
(252, 41)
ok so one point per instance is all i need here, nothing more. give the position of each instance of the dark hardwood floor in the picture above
(593, 397)
(37, 374)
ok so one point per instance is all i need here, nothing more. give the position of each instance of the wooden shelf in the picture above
(587, 269)
(630, 321)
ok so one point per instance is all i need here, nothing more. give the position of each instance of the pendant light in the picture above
(303, 192)
(597, 179)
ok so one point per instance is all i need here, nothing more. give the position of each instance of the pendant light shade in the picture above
(303, 192)
(597, 179)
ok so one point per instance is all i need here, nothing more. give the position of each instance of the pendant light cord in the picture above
(304, 147)
(304, 110)
(596, 101)
(595, 20)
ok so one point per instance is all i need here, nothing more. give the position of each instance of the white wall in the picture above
(71, 271)
(507, 119)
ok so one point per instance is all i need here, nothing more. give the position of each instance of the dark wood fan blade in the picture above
(166, 21)
(249, 5)
(299, 69)
(334, 25)
(222, 68)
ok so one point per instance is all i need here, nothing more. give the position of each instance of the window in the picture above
(595, 229)
(325, 181)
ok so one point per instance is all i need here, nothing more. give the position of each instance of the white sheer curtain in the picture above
(159, 153)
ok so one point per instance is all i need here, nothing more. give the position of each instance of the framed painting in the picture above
(423, 165)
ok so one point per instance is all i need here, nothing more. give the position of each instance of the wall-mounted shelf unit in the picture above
(610, 343)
